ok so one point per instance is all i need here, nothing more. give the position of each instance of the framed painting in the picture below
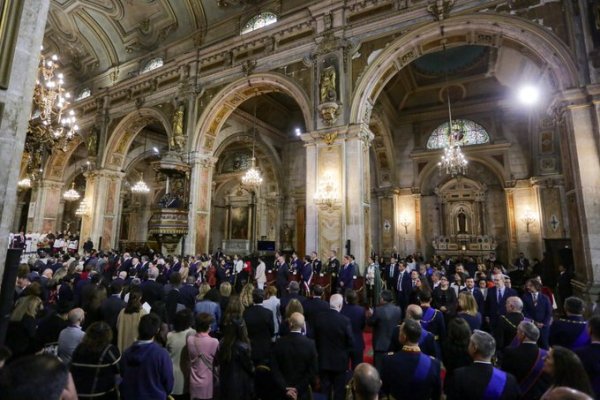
(239, 223)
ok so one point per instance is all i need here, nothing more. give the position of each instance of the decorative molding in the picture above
(10, 15)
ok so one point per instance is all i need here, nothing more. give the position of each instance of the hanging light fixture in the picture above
(140, 186)
(453, 160)
(51, 125)
(253, 177)
(24, 183)
(71, 194)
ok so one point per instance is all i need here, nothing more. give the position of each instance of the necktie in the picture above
(392, 270)
(535, 297)
(400, 281)
(499, 296)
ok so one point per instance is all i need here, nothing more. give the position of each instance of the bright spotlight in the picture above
(529, 95)
(155, 150)
(298, 133)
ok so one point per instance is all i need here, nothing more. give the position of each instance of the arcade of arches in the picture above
(336, 98)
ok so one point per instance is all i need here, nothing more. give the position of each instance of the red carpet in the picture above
(368, 354)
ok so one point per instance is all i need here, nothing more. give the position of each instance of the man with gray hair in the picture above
(506, 329)
(71, 336)
(152, 291)
(333, 336)
(526, 362)
(481, 380)
(365, 383)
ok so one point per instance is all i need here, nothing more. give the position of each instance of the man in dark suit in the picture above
(506, 328)
(282, 276)
(261, 328)
(333, 336)
(526, 362)
(333, 267)
(590, 355)
(409, 373)
(188, 292)
(356, 315)
(313, 306)
(522, 263)
(402, 285)
(537, 307)
(570, 331)
(294, 361)
(432, 319)
(293, 290)
(495, 304)
(383, 320)
(427, 342)
(389, 273)
(152, 291)
(564, 289)
(112, 306)
(481, 380)
(474, 290)
(346, 275)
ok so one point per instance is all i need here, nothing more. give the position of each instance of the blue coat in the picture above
(398, 377)
(566, 331)
(541, 312)
(346, 276)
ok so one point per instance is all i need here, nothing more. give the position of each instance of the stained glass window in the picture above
(153, 64)
(259, 21)
(466, 131)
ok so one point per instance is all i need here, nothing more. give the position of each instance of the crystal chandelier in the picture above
(71, 194)
(326, 194)
(253, 177)
(140, 186)
(51, 125)
(453, 160)
(24, 183)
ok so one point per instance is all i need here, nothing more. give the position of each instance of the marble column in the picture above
(45, 205)
(102, 193)
(25, 31)
(583, 196)
(197, 240)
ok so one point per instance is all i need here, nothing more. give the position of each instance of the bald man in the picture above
(366, 383)
(294, 361)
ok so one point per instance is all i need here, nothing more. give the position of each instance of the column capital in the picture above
(104, 173)
(50, 184)
(203, 160)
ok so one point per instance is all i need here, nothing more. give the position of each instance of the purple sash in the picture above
(422, 368)
(582, 340)
(427, 317)
(495, 387)
(527, 383)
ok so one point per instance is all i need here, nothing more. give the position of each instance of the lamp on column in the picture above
(83, 208)
(528, 218)
(326, 194)
(252, 177)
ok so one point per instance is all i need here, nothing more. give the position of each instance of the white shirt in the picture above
(260, 273)
(239, 266)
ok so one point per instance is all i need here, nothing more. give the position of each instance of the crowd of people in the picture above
(49, 242)
(143, 326)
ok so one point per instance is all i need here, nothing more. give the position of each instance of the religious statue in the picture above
(178, 139)
(286, 237)
(92, 142)
(328, 85)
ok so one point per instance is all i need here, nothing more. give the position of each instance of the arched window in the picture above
(472, 133)
(153, 64)
(259, 21)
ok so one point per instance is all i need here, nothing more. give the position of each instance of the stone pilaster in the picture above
(45, 205)
(102, 194)
(197, 240)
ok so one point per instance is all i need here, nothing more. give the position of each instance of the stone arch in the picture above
(126, 131)
(234, 94)
(382, 149)
(497, 169)
(57, 162)
(541, 46)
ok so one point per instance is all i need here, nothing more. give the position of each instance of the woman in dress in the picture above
(236, 370)
(129, 319)
(95, 364)
(176, 341)
(202, 349)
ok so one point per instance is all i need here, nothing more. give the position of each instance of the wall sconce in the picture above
(83, 208)
(528, 218)
(404, 222)
(326, 195)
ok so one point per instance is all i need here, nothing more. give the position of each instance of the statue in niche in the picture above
(286, 237)
(92, 142)
(328, 85)
(178, 139)
(462, 221)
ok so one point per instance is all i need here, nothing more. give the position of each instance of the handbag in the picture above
(215, 370)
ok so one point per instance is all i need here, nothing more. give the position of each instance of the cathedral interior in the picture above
(343, 108)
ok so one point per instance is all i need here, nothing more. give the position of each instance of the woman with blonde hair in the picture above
(467, 306)
(246, 295)
(23, 324)
(208, 302)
